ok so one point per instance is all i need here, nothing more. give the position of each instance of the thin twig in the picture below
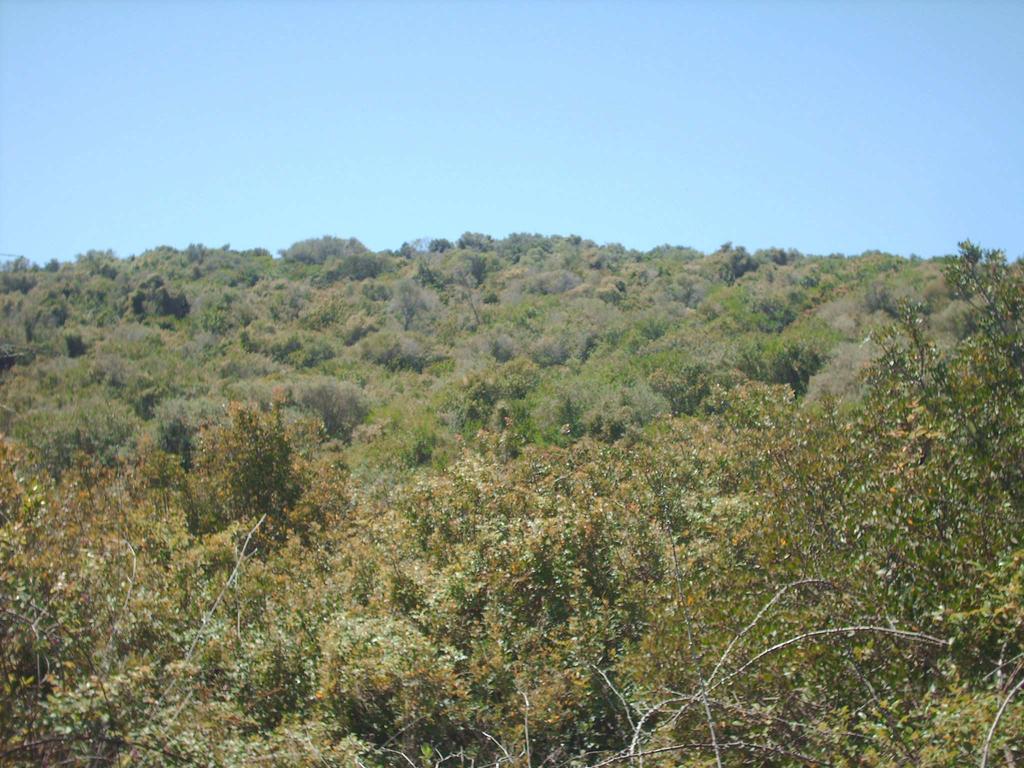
(893, 726)
(242, 556)
(760, 614)
(526, 729)
(625, 704)
(995, 722)
(127, 598)
(400, 754)
(857, 629)
(694, 661)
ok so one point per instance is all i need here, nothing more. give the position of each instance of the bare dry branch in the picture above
(995, 721)
(760, 614)
(919, 637)
(243, 555)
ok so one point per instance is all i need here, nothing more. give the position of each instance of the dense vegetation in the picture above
(521, 502)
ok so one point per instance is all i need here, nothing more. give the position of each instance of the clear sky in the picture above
(828, 127)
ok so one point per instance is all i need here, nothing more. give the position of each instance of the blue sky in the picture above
(828, 127)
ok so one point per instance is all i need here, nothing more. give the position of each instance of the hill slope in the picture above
(513, 503)
(399, 353)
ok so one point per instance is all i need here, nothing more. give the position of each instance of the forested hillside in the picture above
(522, 502)
(392, 360)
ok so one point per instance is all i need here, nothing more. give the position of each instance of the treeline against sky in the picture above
(398, 356)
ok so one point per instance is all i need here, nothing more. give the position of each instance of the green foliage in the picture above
(153, 298)
(339, 404)
(394, 351)
(176, 430)
(480, 394)
(245, 469)
(356, 266)
(75, 345)
(410, 302)
(380, 675)
(735, 263)
(92, 427)
(685, 386)
(318, 251)
(791, 358)
(648, 542)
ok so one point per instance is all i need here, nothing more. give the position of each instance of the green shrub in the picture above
(394, 351)
(242, 470)
(97, 427)
(473, 403)
(550, 350)
(614, 412)
(380, 675)
(685, 386)
(340, 405)
(74, 344)
(358, 266)
(319, 250)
